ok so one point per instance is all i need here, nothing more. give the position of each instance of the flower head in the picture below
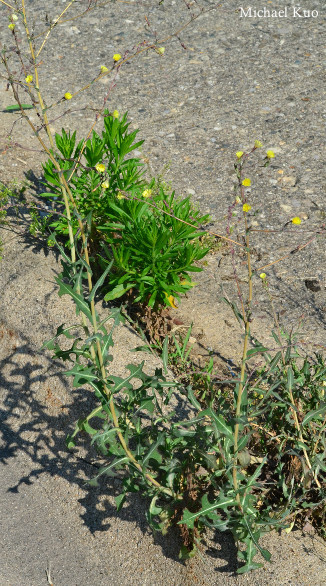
(29, 79)
(262, 276)
(67, 96)
(105, 184)
(246, 207)
(11, 26)
(160, 50)
(115, 114)
(147, 193)
(246, 182)
(270, 154)
(296, 220)
(116, 57)
(14, 17)
(100, 167)
(258, 144)
(170, 300)
(104, 69)
(120, 195)
(239, 154)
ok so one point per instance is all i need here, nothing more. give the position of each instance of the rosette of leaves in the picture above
(152, 241)
(78, 166)
(154, 245)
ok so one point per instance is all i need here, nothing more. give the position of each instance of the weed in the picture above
(247, 461)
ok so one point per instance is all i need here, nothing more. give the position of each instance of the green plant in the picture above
(148, 233)
(95, 171)
(247, 462)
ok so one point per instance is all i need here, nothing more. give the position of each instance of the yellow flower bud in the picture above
(246, 182)
(160, 50)
(239, 154)
(270, 154)
(147, 193)
(105, 184)
(246, 207)
(296, 220)
(104, 69)
(238, 199)
(100, 167)
(115, 114)
(262, 276)
(14, 17)
(67, 96)
(116, 57)
(120, 195)
(11, 26)
(258, 144)
(29, 79)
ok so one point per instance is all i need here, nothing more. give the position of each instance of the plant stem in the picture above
(66, 192)
(243, 366)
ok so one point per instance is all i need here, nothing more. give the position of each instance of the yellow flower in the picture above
(189, 283)
(258, 144)
(239, 154)
(120, 195)
(262, 276)
(67, 96)
(246, 182)
(296, 220)
(104, 69)
(270, 154)
(29, 79)
(115, 114)
(105, 184)
(11, 26)
(100, 167)
(147, 193)
(116, 57)
(170, 299)
(160, 50)
(246, 207)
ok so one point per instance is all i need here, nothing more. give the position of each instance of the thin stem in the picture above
(243, 367)
(52, 26)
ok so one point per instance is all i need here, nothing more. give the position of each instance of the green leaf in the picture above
(223, 502)
(290, 379)
(118, 291)
(119, 500)
(220, 422)
(80, 302)
(313, 414)
(82, 375)
(235, 309)
(16, 108)
(100, 282)
(109, 470)
(153, 448)
(256, 350)
(193, 399)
